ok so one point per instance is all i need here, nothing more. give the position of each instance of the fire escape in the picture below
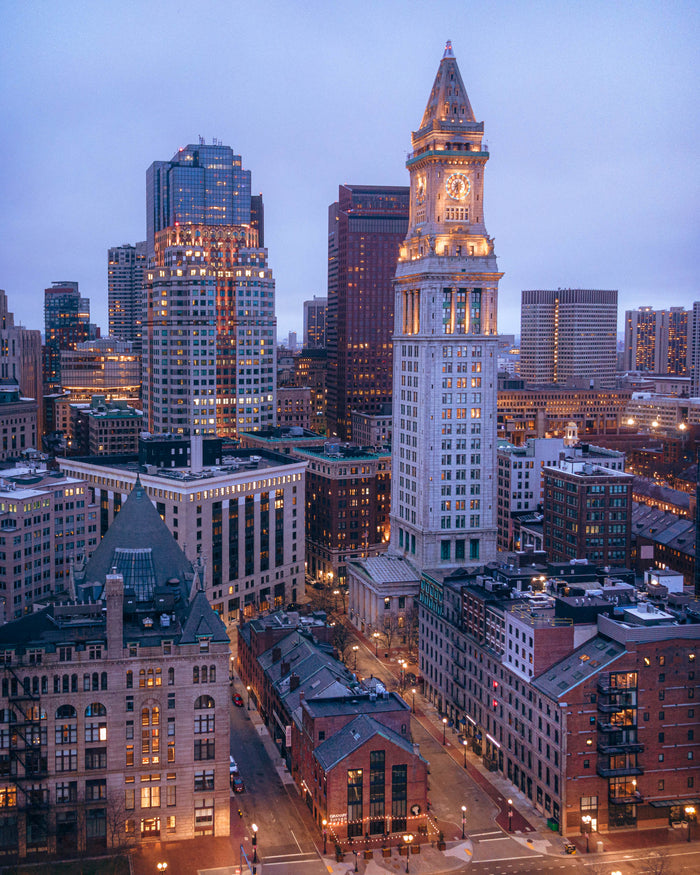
(27, 764)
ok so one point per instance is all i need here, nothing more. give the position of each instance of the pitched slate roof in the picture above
(202, 622)
(136, 538)
(578, 666)
(352, 736)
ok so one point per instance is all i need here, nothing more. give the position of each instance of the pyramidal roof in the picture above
(141, 548)
(448, 101)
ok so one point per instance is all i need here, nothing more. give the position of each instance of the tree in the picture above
(657, 862)
(341, 640)
(390, 629)
(411, 628)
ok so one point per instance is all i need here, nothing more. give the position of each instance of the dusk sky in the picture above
(590, 109)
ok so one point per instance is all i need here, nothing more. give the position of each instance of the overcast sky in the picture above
(590, 111)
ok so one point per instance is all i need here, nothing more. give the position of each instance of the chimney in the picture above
(284, 668)
(293, 682)
(276, 654)
(114, 599)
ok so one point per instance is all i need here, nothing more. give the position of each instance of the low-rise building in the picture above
(18, 421)
(115, 703)
(47, 521)
(294, 406)
(243, 517)
(104, 428)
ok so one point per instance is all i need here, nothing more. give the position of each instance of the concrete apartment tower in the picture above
(445, 343)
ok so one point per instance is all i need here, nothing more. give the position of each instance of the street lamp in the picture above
(248, 689)
(402, 667)
(689, 812)
(375, 635)
(325, 835)
(161, 866)
(413, 700)
(254, 827)
(355, 648)
(444, 729)
(586, 824)
(464, 818)
(354, 852)
(408, 838)
(464, 744)
(510, 815)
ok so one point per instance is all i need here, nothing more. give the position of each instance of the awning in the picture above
(672, 803)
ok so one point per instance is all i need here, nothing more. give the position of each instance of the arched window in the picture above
(171, 677)
(35, 686)
(205, 674)
(66, 712)
(86, 682)
(65, 683)
(150, 735)
(44, 685)
(212, 674)
(74, 683)
(204, 702)
(195, 675)
(129, 680)
(103, 680)
(96, 709)
(95, 680)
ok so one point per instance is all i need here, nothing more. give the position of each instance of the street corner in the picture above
(462, 851)
(537, 843)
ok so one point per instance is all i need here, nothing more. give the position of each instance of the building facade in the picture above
(443, 503)
(694, 350)
(347, 507)
(104, 428)
(587, 513)
(315, 312)
(18, 421)
(244, 517)
(656, 341)
(115, 709)
(66, 324)
(366, 227)
(101, 366)
(20, 358)
(47, 522)
(569, 336)
(126, 266)
(201, 217)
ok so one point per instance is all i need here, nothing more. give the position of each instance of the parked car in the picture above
(237, 700)
(238, 785)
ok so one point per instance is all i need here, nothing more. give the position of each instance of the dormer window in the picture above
(204, 645)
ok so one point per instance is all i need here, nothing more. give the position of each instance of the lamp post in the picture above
(325, 835)
(355, 648)
(161, 866)
(689, 812)
(444, 729)
(464, 745)
(413, 700)
(254, 827)
(586, 824)
(464, 818)
(248, 690)
(510, 815)
(402, 667)
(408, 838)
(375, 635)
(354, 851)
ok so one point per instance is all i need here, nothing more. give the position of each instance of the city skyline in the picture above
(601, 194)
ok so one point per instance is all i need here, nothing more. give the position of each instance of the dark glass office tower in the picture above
(66, 323)
(366, 227)
(204, 228)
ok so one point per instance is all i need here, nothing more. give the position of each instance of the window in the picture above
(67, 760)
(354, 788)
(399, 797)
(150, 735)
(96, 732)
(67, 791)
(204, 749)
(204, 780)
(95, 790)
(96, 758)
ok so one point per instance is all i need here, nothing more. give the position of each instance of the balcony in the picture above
(609, 747)
(622, 772)
(605, 687)
(631, 798)
(616, 727)
(612, 707)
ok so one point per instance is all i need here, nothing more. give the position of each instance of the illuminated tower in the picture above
(204, 236)
(445, 362)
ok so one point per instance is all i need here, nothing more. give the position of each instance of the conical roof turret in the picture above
(448, 101)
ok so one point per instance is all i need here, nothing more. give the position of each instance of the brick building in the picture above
(115, 704)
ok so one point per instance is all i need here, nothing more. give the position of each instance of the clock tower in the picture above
(445, 344)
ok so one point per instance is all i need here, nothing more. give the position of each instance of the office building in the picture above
(125, 273)
(294, 406)
(366, 227)
(204, 236)
(311, 369)
(587, 512)
(104, 428)
(20, 358)
(569, 336)
(66, 324)
(347, 507)
(315, 323)
(656, 341)
(121, 737)
(18, 421)
(47, 521)
(694, 350)
(104, 366)
(244, 516)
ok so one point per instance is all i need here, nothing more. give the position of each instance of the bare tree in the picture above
(657, 862)
(411, 628)
(341, 641)
(391, 627)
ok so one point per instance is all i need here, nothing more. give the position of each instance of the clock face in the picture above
(420, 190)
(457, 186)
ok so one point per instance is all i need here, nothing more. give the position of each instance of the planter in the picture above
(369, 855)
(386, 852)
(415, 849)
(442, 846)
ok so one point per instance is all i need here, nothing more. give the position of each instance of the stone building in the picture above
(115, 703)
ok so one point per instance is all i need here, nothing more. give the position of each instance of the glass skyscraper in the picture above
(203, 222)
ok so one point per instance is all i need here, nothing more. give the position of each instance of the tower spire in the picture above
(448, 102)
